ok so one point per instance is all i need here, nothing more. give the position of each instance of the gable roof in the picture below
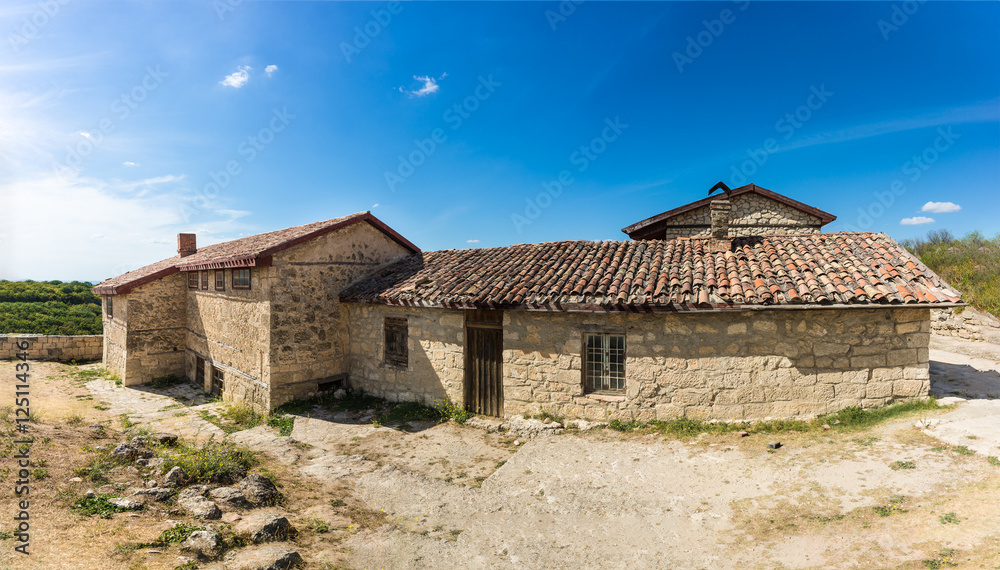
(794, 271)
(643, 228)
(249, 251)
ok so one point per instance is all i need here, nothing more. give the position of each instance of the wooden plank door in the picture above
(484, 362)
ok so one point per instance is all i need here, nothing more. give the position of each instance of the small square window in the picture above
(204, 280)
(218, 381)
(241, 279)
(605, 362)
(220, 280)
(109, 306)
(396, 337)
(192, 280)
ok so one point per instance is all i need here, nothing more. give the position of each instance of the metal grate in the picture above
(605, 362)
(396, 334)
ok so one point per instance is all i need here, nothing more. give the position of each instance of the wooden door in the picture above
(484, 362)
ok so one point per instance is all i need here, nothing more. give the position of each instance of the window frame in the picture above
(193, 279)
(203, 275)
(396, 339)
(249, 279)
(218, 380)
(608, 378)
(109, 310)
(220, 284)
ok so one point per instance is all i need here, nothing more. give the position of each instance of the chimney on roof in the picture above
(719, 240)
(186, 244)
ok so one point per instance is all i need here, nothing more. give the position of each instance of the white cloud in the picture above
(429, 86)
(374, 205)
(237, 78)
(269, 70)
(916, 221)
(472, 241)
(940, 207)
(130, 163)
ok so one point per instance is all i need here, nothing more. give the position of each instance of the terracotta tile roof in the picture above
(681, 274)
(652, 225)
(250, 251)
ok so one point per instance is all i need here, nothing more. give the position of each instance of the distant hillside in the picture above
(971, 264)
(49, 307)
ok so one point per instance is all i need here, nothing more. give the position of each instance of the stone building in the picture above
(718, 326)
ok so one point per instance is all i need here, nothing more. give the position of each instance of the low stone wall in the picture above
(81, 348)
(969, 324)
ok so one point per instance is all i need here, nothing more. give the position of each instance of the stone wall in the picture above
(309, 329)
(436, 340)
(969, 324)
(730, 366)
(82, 348)
(752, 214)
(230, 329)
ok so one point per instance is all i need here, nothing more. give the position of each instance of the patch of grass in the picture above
(501, 463)
(6, 535)
(895, 505)
(942, 560)
(897, 465)
(189, 565)
(40, 474)
(948, 518)
(97, 468)
(866, 441)
(238, 418)
(102, 407)
(550, 417)
(124, 421)
(455, 412)
(178, 533)
(211, 462)
(75, 420)
(337, 503)
(962, 450)
(285, 424)
(99, 505)
(318, 526)
(626, 426)
(993, 460)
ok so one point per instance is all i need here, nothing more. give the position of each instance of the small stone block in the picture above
(774, 445)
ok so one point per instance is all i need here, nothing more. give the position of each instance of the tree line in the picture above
(970, 264)
(49, 307)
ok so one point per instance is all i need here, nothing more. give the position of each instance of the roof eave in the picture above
(124, 288)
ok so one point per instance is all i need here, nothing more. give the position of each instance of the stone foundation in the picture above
(82, 348)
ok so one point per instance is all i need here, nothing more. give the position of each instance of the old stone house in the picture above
(717, 326)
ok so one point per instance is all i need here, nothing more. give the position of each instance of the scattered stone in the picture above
(105, 489)
(229, 497)
(742, 433)
(264, 527)
(339, 394)
(584, 425)
(132, 470)
(90, 494)
(139, 441)
(96, 430)
(124, 503)
(517, 442)
(203, 543)
(158, 493)
(150, 483)
(266, 558)
(531, 427)
(231, 517)
(258, 490)
(130, 452)
(200, 507)
(164, 438)
(774, 445)
(76, 480)
(175, 476)
(195, 491)
(826, 427)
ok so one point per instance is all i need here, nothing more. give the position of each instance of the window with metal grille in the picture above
(220, 280)
(396, 334)
(204, 279)
(605, 363)
(241, 279)
(192, 280)
(218, 381)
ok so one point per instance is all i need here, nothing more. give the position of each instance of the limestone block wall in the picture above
(752, 214)
(436, 340)
(728, 366)
(145, 337)
(970, 324)
(230, 330)
(310, 339)
(81, 348)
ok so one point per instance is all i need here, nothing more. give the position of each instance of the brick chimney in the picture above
(187, 244)
(719, 241)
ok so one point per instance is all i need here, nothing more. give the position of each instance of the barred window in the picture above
(241, 279)
(204, 280)
(220, 280)
(396, 336)
(605, 364)
(192, 280)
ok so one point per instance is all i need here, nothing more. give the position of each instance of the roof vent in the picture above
(187, 244)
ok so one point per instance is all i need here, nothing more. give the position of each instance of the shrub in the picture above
(99, 505)
(211, 462)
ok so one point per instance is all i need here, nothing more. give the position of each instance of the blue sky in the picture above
(479, 124)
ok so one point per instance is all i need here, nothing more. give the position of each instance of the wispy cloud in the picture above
(269, 70)
(237, 78)
(472, 241)
(130, 163)
(940, 207)
(233, 214)
(916, 221)
(429, 86)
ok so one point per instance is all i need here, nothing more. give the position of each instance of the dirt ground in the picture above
(916, 492)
